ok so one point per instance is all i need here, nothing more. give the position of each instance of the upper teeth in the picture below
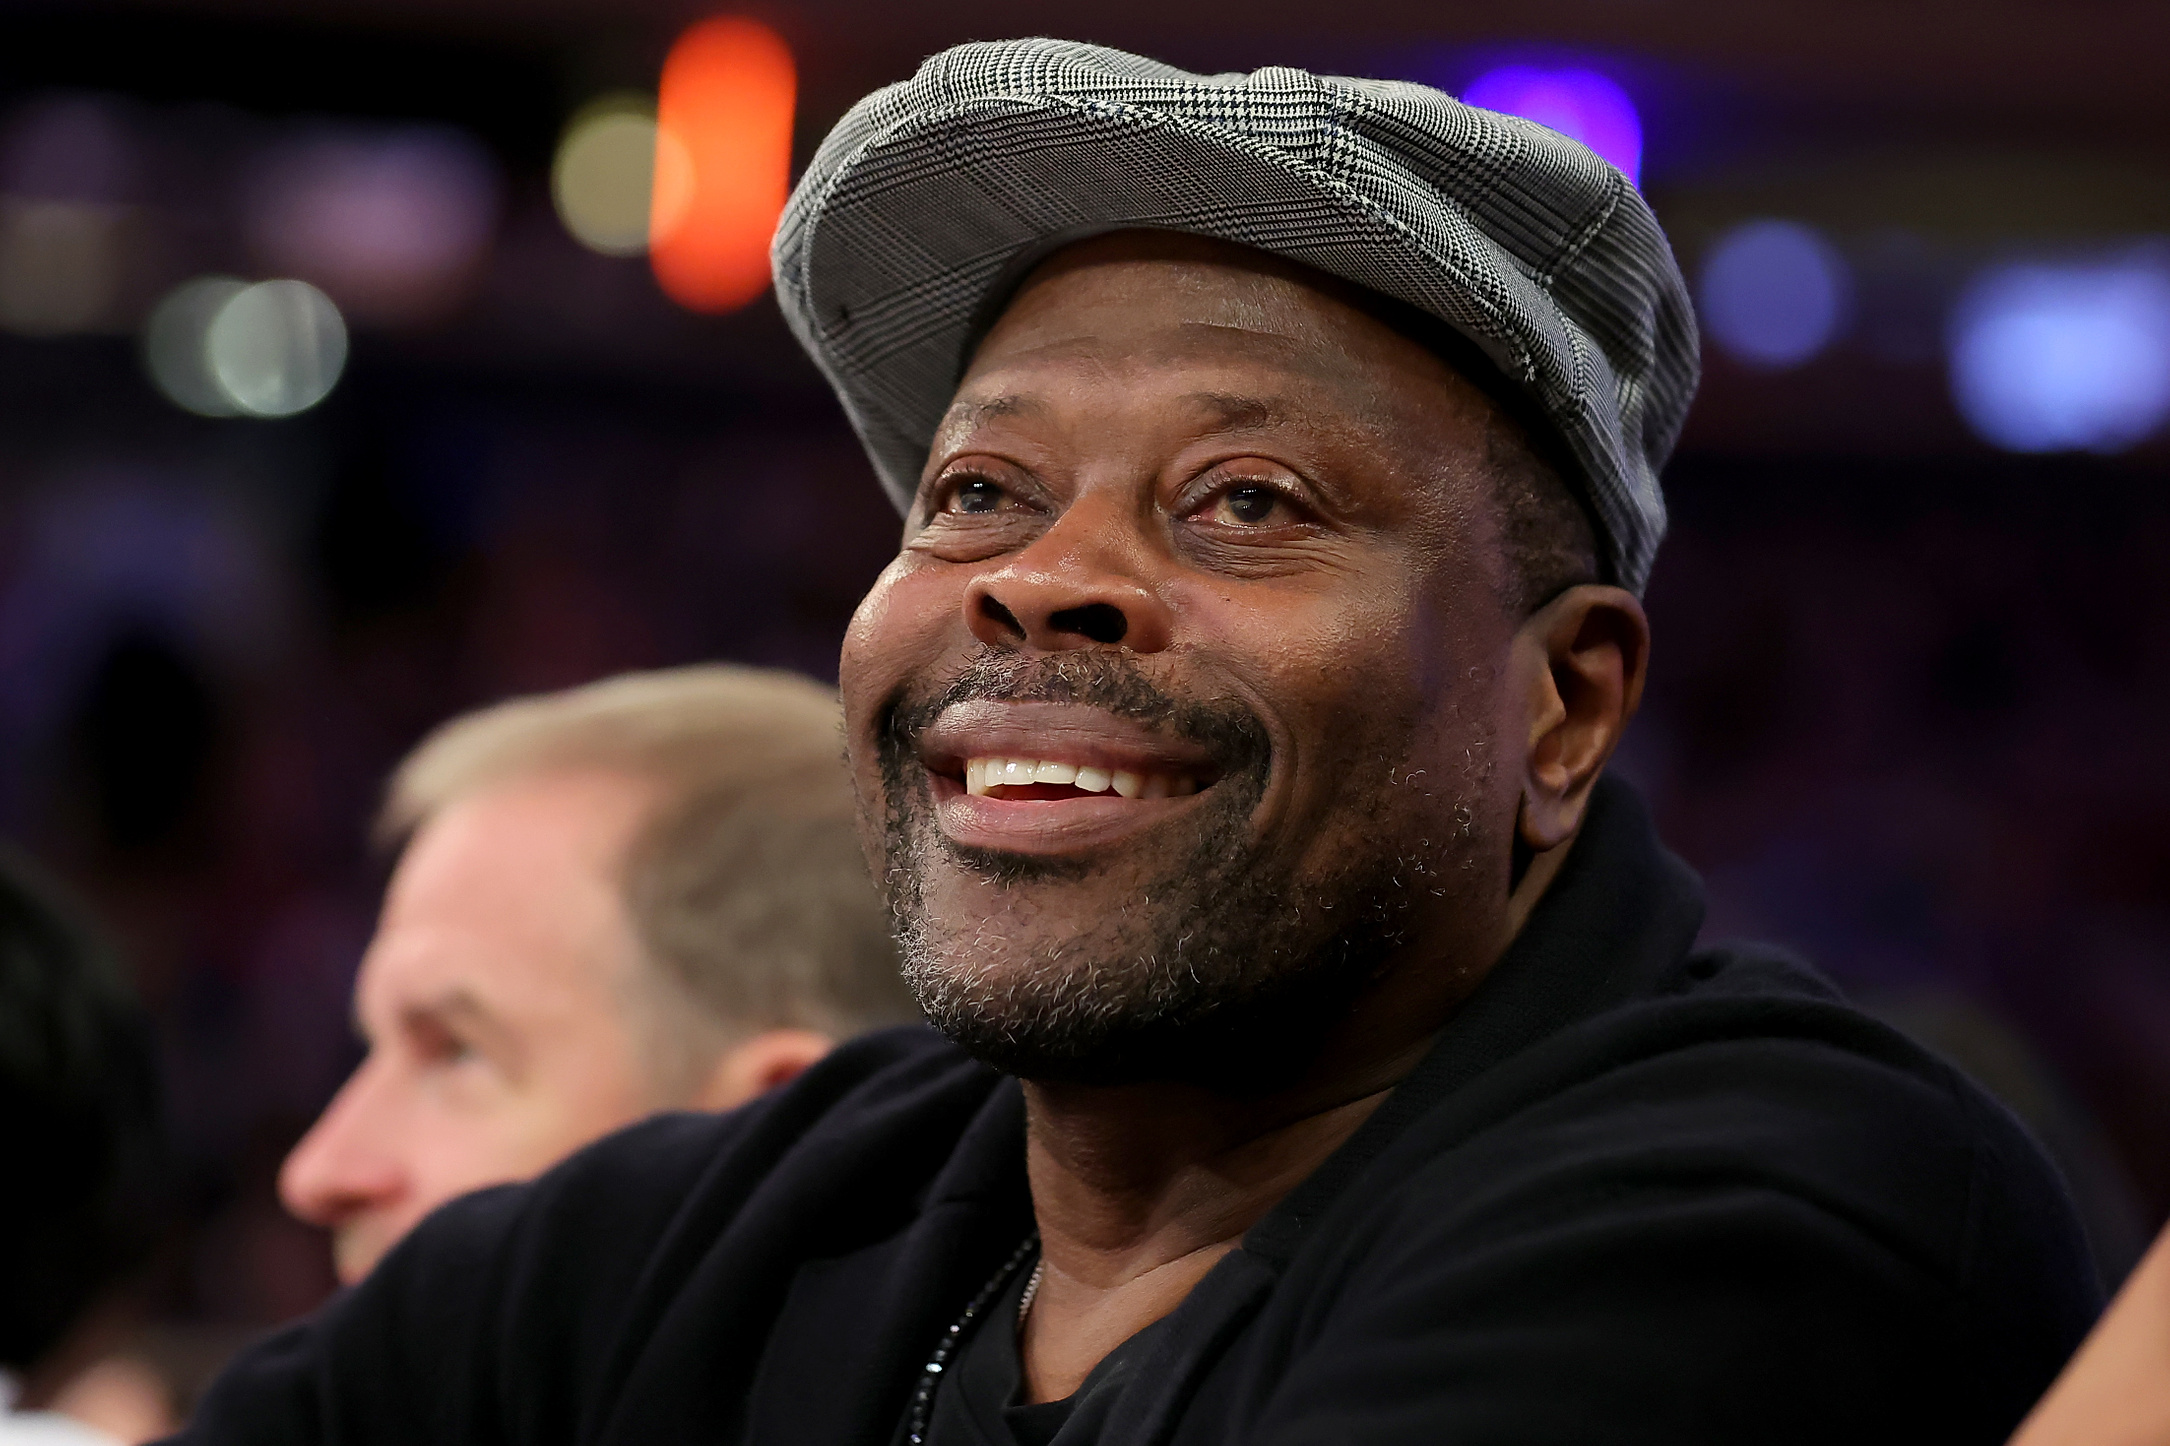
(982, 774)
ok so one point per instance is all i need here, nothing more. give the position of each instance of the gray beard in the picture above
(1222, 970)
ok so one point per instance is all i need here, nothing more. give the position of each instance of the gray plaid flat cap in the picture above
(931, 198)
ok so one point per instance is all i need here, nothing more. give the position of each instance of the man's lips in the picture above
(1054, 778)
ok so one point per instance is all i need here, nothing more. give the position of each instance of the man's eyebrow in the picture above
(458, 1002)
(1234, 413)
(1230, 411)
(461, 1008)
(973, 414)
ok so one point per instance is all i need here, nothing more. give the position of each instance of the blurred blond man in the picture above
(638, 895)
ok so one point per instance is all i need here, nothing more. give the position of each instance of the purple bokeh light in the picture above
(1774, 293)
(1580, 104)
(394, 222)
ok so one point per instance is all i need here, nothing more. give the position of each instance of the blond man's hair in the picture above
(744, 884)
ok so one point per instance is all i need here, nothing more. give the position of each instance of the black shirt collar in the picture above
(1621, 913)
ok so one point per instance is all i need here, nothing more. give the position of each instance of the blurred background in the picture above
(362, 361)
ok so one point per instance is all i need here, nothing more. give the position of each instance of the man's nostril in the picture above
(1101, 622)
(995, 612)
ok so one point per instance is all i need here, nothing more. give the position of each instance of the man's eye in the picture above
(1249, 506)
(451, 1052)
(435, 1044)
(977, 495)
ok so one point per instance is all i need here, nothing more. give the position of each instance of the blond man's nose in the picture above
(335, 1172)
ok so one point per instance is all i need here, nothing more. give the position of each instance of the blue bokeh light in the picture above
(2064, 358)
(1774, 293)
(1580, 104)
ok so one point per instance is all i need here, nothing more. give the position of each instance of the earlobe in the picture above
(770, 1059)
(1583, 657)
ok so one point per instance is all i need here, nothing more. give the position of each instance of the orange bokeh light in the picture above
(723, 162)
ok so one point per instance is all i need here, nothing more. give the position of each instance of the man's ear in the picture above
(756, 1066)
(1580, 662)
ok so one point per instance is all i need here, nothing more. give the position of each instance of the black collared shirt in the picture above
(981, 1401)
(1637, 1192)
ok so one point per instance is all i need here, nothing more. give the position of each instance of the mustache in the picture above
(1231, 733)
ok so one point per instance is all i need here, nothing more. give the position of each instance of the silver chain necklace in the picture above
(920, 1414)
(1030, 1293)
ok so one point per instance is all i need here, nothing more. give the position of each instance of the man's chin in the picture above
(1253, 1037)
(1006, 869)
(356, 1249)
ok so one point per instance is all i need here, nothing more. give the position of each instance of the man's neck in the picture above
(1140, 1189)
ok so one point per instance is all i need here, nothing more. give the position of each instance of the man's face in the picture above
(1174, 720)
(495, 1000)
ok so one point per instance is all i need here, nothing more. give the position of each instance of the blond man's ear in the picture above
(771, 1058)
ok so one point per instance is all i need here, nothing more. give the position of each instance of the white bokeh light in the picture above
(173, 344)
(276, 348)
(2064, 357)
(220, 347)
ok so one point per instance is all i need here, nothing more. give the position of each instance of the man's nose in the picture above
(342, 1168)
(1086, 582)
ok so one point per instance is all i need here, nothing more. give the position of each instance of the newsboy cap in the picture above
(931, 199)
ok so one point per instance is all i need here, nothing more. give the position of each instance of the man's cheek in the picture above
(915, 593)
(902, 627)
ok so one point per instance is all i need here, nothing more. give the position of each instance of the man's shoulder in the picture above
(1729, 1181)
(1745, 1071)
(906, 1080)
(1755, 1032)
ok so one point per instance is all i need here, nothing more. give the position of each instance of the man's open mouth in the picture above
(1060, 778)
(1045, 779)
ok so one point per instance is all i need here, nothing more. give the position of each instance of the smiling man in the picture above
(1325, 1054)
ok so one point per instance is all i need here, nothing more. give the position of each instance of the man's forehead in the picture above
(1218, 411)
(426, 966)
